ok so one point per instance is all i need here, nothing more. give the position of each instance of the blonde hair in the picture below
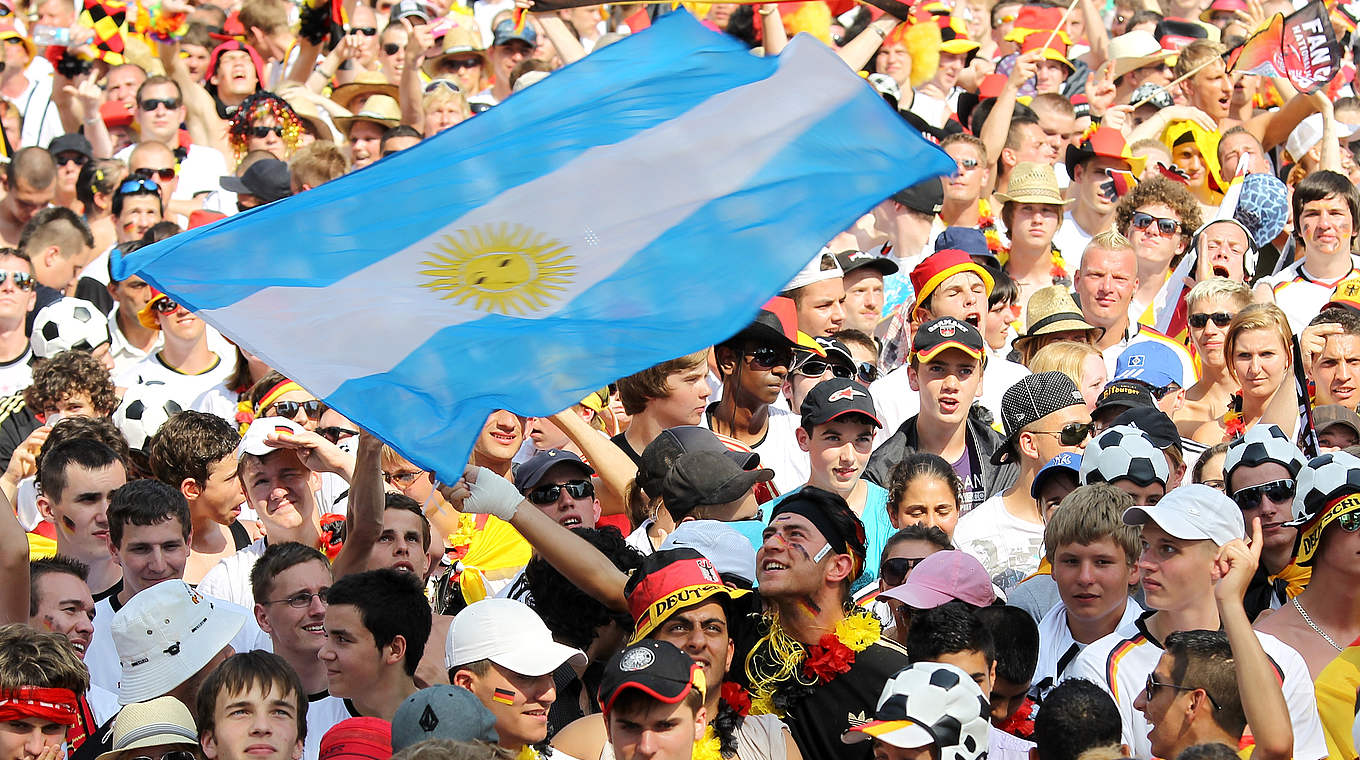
(1258, 316)
(1110, 240)
(316, 164)
(1065, 356)
(442, 96)
(1219, 287)
(1196, 53)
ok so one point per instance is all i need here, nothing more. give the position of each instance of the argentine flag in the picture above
(637, 205)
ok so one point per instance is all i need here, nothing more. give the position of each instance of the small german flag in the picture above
(504, 696)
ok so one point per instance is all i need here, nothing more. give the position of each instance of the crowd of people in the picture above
(1055, 457)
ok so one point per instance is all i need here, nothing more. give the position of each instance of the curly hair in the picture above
(67, 374)
(1173, 195)
(571, 614)
(263, 103)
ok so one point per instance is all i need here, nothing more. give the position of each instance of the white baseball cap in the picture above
(1194, 512)
(508, 633)
(164, 635)
(253, 441)
(823, 266)
(720, 543)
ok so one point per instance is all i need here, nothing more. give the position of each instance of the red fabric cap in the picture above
(227, 47)
(357, 739)
(115, 114)
(1034, 17)
(934, 264)
(1036, 42)
(991, 86)
(784, 308)
(685, 573)
(1108, 142)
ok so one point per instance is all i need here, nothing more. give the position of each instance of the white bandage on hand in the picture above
(492, 495)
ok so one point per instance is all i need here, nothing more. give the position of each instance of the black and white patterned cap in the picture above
(1261, 444)
(1034, 397)
(1123, 452)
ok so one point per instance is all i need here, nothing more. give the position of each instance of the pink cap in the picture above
(943, 577)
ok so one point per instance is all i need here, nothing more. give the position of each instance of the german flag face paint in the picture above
(504, 696)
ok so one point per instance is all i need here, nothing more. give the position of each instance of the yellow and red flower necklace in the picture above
(782, 671)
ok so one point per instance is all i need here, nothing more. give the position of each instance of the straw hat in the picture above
(163, 720)
(1033, 183)
(1052, 310)
(1134, 50)
(365, 83)
(379, 109)
(456, 34)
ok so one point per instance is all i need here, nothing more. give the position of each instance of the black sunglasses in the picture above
(263, 131)
(1071, 434)
(1165, 226)
(815, 367)
(164, 306)
(334, 433)
(894, 571)
(150, 104)
(367, 31)
(458, 64)
(1164, 391)
(576, 489)
(72, 158)
(164, 175)
(867, 372)
(22, 280)
(1199, 319)
(391, 48)
(769, 357)
(1278, 491)
(1153, 685)
(314, 408)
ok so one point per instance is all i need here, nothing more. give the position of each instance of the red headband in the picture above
(56, 705)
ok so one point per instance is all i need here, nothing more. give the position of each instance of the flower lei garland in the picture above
(1058, 270)
(783, 671)
(987, 223)
(1232, 421)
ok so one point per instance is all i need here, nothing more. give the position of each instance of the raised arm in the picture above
(14, 565)
(1258, 685)
(481, 491)
(614, 468)
(364, 517)
(857, 52)
(772, 32)
(418, 41)
(205, 128)
(998, 123)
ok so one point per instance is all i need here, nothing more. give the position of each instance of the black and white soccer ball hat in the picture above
(1126, 452)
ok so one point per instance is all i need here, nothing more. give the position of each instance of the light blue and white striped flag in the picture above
(638, 205)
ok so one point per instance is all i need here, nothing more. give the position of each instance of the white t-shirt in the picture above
(1120, 665)
(1004, 746)
(779, 450)
(201, 171)
(18, 374)
(181, 387)
(1058, 650)
(218, 400)
(230, 578)
(103, 703)
(101, 657)
(1072, 240)
(323, 712)
(1301, 295)
(42, 122)
(124, 354)
(1006, 545)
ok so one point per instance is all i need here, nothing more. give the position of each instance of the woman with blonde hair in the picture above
(1079, 361)
(1210, 307)
(1258, 348)
(442, 106)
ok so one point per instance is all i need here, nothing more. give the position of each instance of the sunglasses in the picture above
(367, 31)
(178, 754)
(1071, 434)
(1349, 521)
(815, 367)
(289, 409)
(441, 84)
(137, 185)
(262, 132)
(1165, 226)
(391, 48)
(867, 372)
(894, 571)
(1164, 391)
(73, 158)
(165, 175)
(576, 489)
(401, 479)
(1153, 685)
(164, 306)
(301, 599)
(1278, 491)
(966, 164)
(150, 104)
(22, 280)
(334, 433)
(1200, 319)
(457, 64)
(5, 11)
(768, 357)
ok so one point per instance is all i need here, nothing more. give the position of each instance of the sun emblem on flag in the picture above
(503, 269)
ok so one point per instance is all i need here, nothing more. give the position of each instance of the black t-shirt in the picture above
(16, 424)
(622, 442)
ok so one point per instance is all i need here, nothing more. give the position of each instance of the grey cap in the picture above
(442, 712)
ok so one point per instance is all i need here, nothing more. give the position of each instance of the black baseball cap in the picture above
(660, 455)
(1128, 394)
(704, 478)
(1155, 425)
(531, 472)
(944, 333)
(852, 260)
(924, 197)
(70, 143)
(655, 668)
(267, 179)
(1032, 398)
(832, 398)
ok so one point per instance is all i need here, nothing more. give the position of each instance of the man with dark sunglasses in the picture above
(558, 483)
(1260, 473)
(71, 152)
(1188, 537)
(810, 368)
(160, 111)
(17, 299)
(1044, 415)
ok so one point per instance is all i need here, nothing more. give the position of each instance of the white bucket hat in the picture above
(166, 634)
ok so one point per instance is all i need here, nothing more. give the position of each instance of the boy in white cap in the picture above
(500, 650)
(1182, 535)
(818, 293)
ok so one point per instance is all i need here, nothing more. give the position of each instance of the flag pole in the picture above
(1167, 87)
(1070, 7)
